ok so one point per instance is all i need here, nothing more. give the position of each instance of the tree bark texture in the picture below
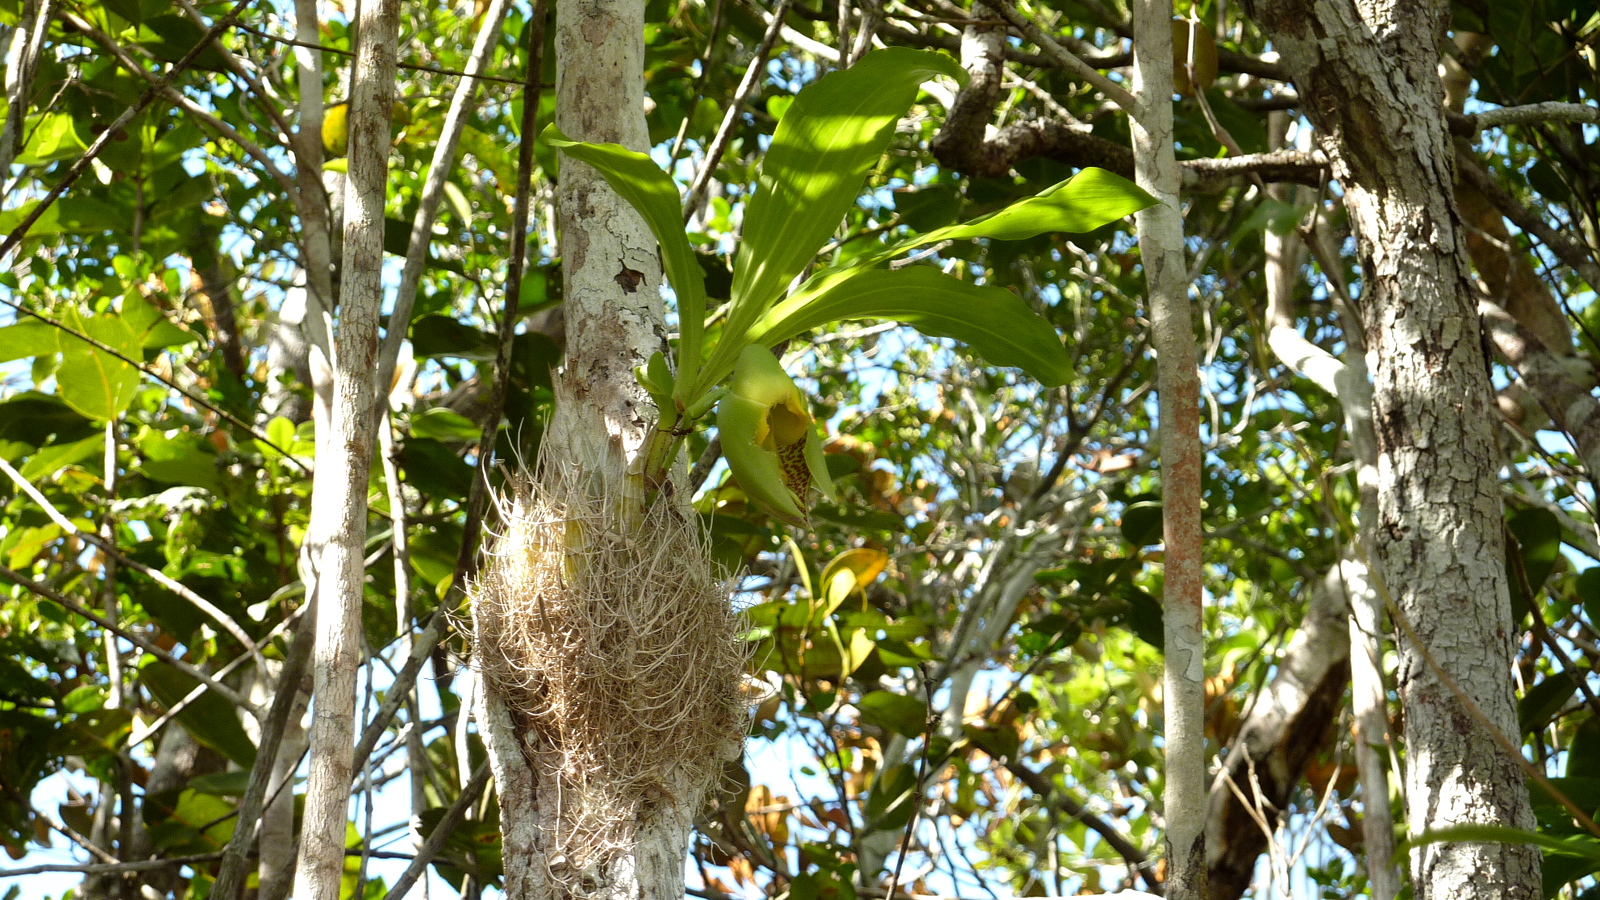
(1178, 389)
(611, 268)
(1367, 72)
(614, 322)
(339, 498)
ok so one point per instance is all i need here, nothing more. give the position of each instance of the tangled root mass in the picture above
(612, 641)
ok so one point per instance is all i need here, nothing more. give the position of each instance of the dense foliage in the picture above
(959, 655)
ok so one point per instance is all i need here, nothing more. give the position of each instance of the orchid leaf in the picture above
(995, 323)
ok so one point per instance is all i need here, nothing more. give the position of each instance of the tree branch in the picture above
(1566, 249)
(1066, 60)
(1044, 789)
(113, 129)
(161, 578)
(134, 638)
(441, 833)
(231, 876)
(1529, 114)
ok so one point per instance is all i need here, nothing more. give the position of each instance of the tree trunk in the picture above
(615, 320)
(1367, 72)
(339, 499)
(1178, 388)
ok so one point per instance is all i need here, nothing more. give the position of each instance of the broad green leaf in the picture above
(445, 425)
(68, 215)
(223, 784)
(1580, 845)
(92, 381)
(1538, 535)
(637, 179)
(210, 719)
(54, 136)
(1545, 699)
(1086, 201)
(828, 138)
(896, 712)
(852, 652)
(992, 321)
(28, 337)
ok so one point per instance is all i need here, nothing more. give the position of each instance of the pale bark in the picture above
(1178, 389)
(615, 320)
(25, 47)
(1367, 72)
(610, 267)
(1284, 728)
(439, 168)
(339, 499)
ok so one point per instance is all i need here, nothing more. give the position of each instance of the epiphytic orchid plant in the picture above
(811, 175)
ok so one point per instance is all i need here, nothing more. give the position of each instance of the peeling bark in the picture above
(1367, 72)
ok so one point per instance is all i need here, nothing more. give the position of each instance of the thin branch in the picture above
(151, 373)
(148, 731)
(1041, 786)
(113, 129)
(134, 638)
(747, 86)
(22, 65)
(1528, 114)
(439, 168)
(231, 875)
(251, 148)
(1065, 59)
(399, 65)
(142, 865)
(161, 578)
(1566, 248)
(446, 826)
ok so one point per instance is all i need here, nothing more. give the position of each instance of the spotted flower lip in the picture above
(770, 439)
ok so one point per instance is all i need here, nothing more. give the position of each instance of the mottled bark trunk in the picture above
(1367, 72)
(614, 319)
(339, 500)
(1178, 387)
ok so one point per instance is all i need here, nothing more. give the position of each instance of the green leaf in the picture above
(1538, 536)
(995, 323)
(68, 215)
(443, 336)
(1545, 699)
(84, 698)
(92, 381)
(54, 136)
(638, 180)
(210, 719)
(171, 37)
(1583, 754)
(444, 425)
(223, 784)
(896, 712)
(28, 337)
(1579, 845)
(835, 130)
(1084, 202)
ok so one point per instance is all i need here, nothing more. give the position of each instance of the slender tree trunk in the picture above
(339, 502)
(1368, 74)
(1178, 386)
(614, 318)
